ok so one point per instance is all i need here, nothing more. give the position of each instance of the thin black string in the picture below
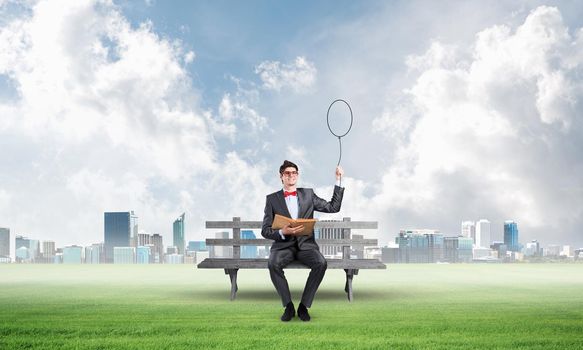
(339, 158)
(339, 136)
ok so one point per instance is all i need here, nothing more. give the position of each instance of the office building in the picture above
(73, 254)
(143, 239)
(178, 233)
(118, 228)
(465, 246)
(458, 249)
(420, 246)
(197, 246)
(450, 245)
(483, 234)
(34, 249)
(4, 242)
(331, 251)
(47, 252)
(21, 241)
(248, 251)
(390, 254)
(48, 249)
(373, 253)
(469, 230)
(533, 249)
(357, 250)
(500, 248)
(94, 254)
(567, 251)
(511, 236)
(143, 254)
(221, 251)
(134, 228)
(174, 259)
(22, 255)
(124, 255)
(553, 250)
(158, 251)
(481, 253)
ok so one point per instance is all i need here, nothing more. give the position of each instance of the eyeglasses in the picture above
(290, 173)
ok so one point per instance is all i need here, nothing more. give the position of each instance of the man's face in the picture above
(289, 176)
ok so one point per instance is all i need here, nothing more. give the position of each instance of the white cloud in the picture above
(298, 154)
(239, 110)
(487, 132)
(189, 57)
(300, 75)
(106, 119)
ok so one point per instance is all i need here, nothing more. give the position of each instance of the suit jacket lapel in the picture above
(282, 204)
(302, 205)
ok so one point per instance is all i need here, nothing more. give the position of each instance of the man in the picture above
(296, 203)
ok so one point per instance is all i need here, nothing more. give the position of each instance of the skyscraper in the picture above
(178, 233)
(469, 230)
(117, 231)
(133, 229)
(511, 236)
(34, 249)
(158, 253)
(48, 249)
(4, 241)
(248, 251)
(483, 233)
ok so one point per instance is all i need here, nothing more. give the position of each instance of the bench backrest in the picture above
(346, 225)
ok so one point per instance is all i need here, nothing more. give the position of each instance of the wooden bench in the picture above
(232, 265)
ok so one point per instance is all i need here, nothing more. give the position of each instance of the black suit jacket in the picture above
(308, 202)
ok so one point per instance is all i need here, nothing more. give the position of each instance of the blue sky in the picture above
(462, 111)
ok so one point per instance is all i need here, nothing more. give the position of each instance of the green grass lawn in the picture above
(520, 306)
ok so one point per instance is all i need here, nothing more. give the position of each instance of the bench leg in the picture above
(348, 287)
(233, 275)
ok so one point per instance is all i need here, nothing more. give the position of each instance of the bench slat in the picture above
(356, 225)
(226, 263)
(230, 241)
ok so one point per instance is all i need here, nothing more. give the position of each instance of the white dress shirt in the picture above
(293, 207)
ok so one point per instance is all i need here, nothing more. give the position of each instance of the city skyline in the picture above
(461, 110)
(121, 234)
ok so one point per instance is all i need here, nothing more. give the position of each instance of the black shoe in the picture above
(303, 313)
(289, 312)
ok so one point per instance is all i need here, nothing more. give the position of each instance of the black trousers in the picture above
(279, 259)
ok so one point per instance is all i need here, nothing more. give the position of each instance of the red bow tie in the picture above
(286, 193)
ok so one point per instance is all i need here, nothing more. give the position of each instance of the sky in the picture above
(462, 110)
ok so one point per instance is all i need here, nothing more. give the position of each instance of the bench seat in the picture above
(232, 266)
(228, 263)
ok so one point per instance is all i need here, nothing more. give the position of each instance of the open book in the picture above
(280, 221)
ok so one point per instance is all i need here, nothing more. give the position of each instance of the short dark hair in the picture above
(287, 164)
